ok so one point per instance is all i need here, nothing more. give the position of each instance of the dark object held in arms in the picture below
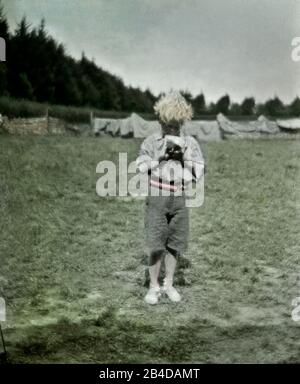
(174, 151)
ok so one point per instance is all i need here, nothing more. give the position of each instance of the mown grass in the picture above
(71, 262)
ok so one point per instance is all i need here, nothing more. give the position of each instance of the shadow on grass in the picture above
(109, 339)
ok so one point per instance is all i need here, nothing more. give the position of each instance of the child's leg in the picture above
(170, 263)
(156, 226)
(171, 292)
(154, 267)
(176, 244)
(178, 229)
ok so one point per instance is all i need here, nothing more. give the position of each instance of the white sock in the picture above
(170, 263)
(154, 273)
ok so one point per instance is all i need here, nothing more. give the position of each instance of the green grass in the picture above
(71, 262)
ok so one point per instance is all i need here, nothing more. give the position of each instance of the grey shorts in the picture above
(166, 223)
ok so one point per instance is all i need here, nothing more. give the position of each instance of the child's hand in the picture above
(164, 157)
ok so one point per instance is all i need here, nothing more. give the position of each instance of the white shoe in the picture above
(152, 295)
(172, 293)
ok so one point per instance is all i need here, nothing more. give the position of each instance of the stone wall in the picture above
(56, 126)
(36, 126)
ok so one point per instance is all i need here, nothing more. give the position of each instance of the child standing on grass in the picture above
(171, 160)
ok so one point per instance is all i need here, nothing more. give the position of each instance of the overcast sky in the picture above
(242, 47)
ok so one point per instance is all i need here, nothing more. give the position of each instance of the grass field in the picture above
(72, 263)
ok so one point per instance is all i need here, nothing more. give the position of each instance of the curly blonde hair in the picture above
(173, 107)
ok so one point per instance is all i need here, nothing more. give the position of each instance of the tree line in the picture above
(38, 68)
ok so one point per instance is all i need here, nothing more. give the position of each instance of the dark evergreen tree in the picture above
(25, 90)
(40, 69)
(247, 106)
(187, 94)
(19, 62)
(235, 109)
(223, 105)
(275, 107)
(199, 105)
(294, 108)
(4, 33)
(211, 110)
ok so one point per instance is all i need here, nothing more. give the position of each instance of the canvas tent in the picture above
(267, 126)
(250, 129)
(100, 125)
(202, 130)
(113, 128)
(133, 125)
(291, 125)
(143, 128)
(137, 127)
(222, 128)
(125, 127)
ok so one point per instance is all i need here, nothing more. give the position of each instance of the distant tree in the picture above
(130, 103)
(294, 107)
(151, 99)
(90, 95)
(3, 66)
(138, 101)
(211, 109)
(235, 109)
(275, 107)
(25, 90)
(223, 104)
(110, 96)
(67, 89)
(199, 104)
(47, 59)
(3, 79)
(23, 28)
(38, 68)
(260, 109)
(20, 61)
(187, 95)
(4, 33)
(247, 106)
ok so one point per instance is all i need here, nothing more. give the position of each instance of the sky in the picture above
(239, 47)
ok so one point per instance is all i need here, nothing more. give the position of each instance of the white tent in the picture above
(125, 127)
(113, 128)
(249, 129)
(100, 125)
(202, 130)
(266, 126)
(131, 126)
(292, 125)
(143, 128)
(137, 127)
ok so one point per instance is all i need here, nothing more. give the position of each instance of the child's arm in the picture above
(149, 157)
(193, 158)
